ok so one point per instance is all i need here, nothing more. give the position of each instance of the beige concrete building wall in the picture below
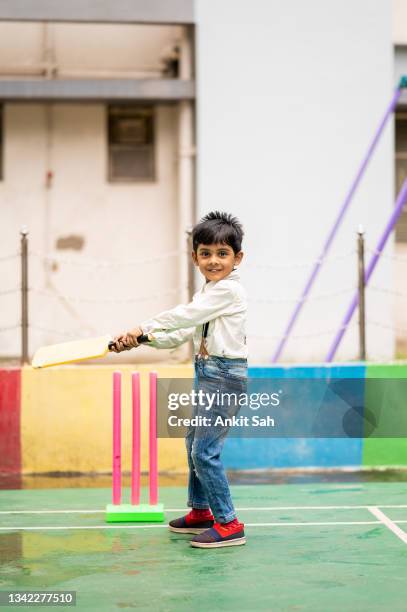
(111, 249)
(97, 286)
(399, 22)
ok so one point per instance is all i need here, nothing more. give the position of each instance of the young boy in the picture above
(215, 320)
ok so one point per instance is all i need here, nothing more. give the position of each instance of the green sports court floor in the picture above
(325, 547)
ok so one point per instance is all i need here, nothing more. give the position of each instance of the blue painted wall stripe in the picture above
(266, 453)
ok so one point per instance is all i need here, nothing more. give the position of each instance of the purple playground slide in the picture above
(338, 220)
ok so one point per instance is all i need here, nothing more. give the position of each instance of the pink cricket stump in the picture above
(153, 440)
(117, 451)
(135, 466)
(136, 511)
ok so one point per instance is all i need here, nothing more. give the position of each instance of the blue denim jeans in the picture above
(208, 486)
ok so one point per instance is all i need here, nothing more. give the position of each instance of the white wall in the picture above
(289, 95)
(118, 222)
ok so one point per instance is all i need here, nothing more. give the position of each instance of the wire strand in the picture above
(308, 335)
(10, 327)
(399, 330)
(393, 257)
(99, 263)
(302, 263)
(10, 291)
(86, 300)
(321, 296)
(9, 257)
(388, 291)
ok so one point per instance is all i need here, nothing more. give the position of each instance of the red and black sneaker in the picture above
(195, 521)
(220, 535)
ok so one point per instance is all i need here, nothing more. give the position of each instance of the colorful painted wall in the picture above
(263, 453)
(60, 419)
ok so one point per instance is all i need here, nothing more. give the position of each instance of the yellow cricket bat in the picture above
(70, 352)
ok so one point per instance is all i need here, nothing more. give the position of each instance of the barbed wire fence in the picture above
(13, 323)
(18, 320)
(23, 299)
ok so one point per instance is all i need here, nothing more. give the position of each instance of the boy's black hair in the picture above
(218, 227)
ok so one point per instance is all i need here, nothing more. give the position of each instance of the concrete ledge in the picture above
(99, 11)
(91, 90)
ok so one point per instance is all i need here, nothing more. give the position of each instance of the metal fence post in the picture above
(361, 288)
(24, 295)
(190, 281)
(190, 264)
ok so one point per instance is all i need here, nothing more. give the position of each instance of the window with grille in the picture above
(401, 170)
(131, 143)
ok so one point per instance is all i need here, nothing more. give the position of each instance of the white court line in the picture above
(253, 509)
(383, 518)
(63, 528)
(99, 511)
(149, 526)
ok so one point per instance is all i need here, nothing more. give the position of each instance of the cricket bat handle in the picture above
(140, 339)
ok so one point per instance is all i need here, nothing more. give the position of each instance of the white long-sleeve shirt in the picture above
(223, 303)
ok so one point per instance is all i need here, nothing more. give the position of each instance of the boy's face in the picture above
(216, 261)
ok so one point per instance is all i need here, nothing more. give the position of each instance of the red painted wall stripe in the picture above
(10, 409)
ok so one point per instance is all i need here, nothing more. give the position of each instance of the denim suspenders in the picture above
(203, 351)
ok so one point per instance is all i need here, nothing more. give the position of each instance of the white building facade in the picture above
(116, 137)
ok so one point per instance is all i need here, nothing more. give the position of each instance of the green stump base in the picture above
(126, 513)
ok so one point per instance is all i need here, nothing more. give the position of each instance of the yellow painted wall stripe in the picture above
(66, 419)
